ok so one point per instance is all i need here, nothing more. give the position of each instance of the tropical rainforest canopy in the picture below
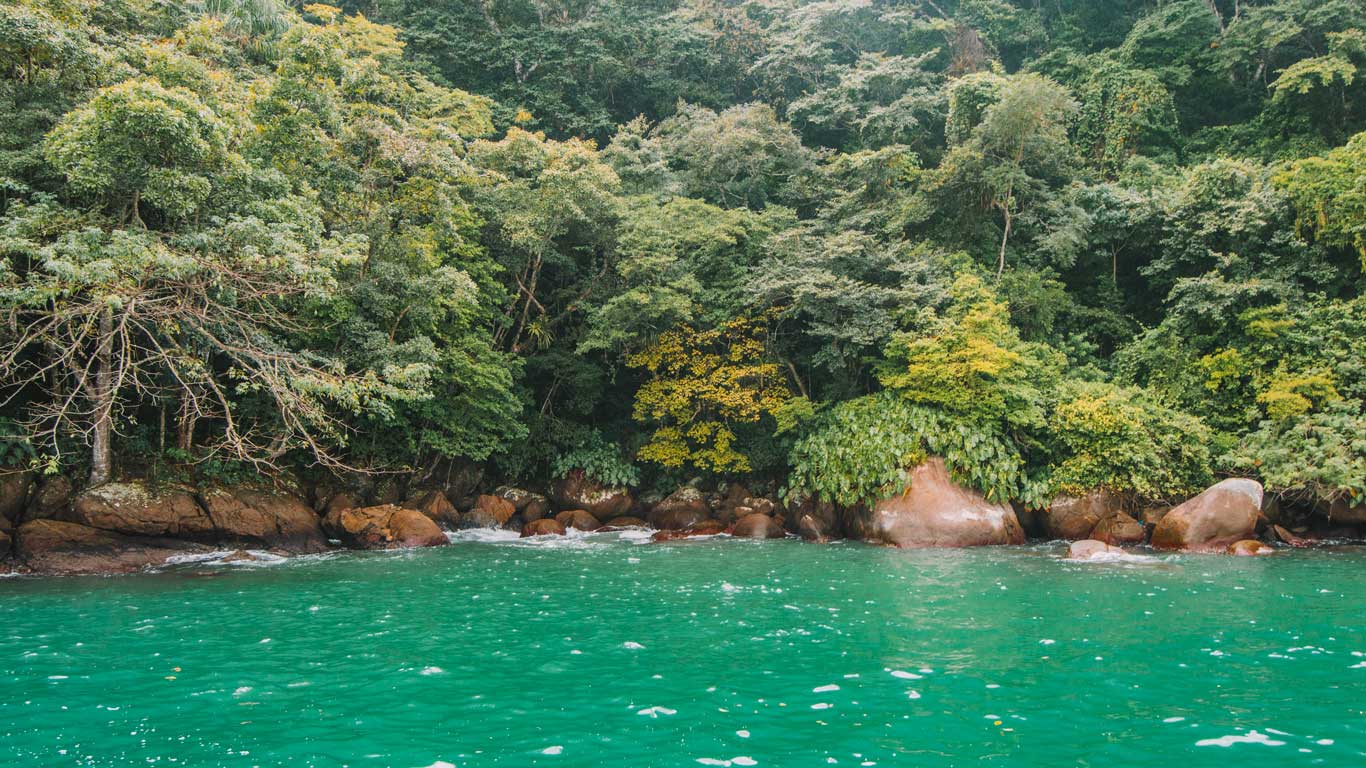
(1066, 245)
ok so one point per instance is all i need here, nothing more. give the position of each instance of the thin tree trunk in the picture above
(101, 451)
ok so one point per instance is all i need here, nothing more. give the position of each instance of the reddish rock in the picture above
(51, 500)
(501, 509)
(436, 507)
(758, 526)
(1286, 537)
(274, 520)
(531, 506)
(133, 509)
(59, 547)
(1343, 512)
(700, 528)
(14, 489)
(626, 522)
(578, 491)
(1223, 514)
(1118, 529)
(684, 507)
(936, 512)
(1091, 549)
(578, 518)
(543, 527)
(1250, 548)
(341, 502)
(383, 527)
(1070, 518)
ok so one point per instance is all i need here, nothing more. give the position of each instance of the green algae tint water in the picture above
(599, 650)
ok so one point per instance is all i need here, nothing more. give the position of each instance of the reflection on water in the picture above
(606, 648)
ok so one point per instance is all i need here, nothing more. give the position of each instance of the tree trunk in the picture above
(101, 451)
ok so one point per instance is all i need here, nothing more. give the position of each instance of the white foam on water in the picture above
(1324, 742)
(555, 750)
(633, 645)
(1251, 737)
(825, 689)
(904, 675)
(242, 691)
(822, 705)
(1173, 719)
(429, 671)
(742, 734)
(483, 535)
(743, 760)
(712, 761)
(655, 712)
(1047, 641)
(440, 764)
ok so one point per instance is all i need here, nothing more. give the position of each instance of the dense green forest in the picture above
(1067, 245)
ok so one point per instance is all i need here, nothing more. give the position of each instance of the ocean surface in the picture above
(608, 650)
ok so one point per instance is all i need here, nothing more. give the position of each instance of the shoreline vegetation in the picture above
(275, 275)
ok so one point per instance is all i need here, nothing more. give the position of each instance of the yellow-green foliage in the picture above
(1120, 439)
(1291, 395)
(703, 383)
(973, 363)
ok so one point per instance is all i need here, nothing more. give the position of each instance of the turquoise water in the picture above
(600, 651)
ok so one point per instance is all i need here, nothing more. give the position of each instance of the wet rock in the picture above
(60, 547)
(936, 512)
(1250, 548)
(1118, 530)
(242, 556)
(1286, 537)
(700, 528)
(758, 526)
(542, 527)
(383, 527)
(6, 544)
(578, 491)
(478, 518)
(501, 509)
(1091, 549)
(626, 522)
(268, 518)
(532, 506)
(1073, 517)
(14, 489)
(682, 508)
(1221, 515)
(388, 491)
(578, 518)
(436, 507)
(815, 520)
(1152, 515)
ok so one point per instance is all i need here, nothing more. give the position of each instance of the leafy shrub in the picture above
(1322, 454)
(863, 449)
(600, 461)
(1120, 439)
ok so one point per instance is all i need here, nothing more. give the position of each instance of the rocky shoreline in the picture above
(49, 528)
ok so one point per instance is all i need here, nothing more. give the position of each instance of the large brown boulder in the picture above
(14, 489)
(254, 516)
(578, 518)
(703, 528)
(578, 491)
(758, 525)
(815, 520)
(478, 518)
(1225, 513)
(531, 506)
(936, 512)
(626, 521)
(682, 508)
(59, 547)
(498, 508)
(134, 509)
(1118, 529)
(436, 507)
(383, 527)
(1073, 518)
(542, 527)
(342, 501)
